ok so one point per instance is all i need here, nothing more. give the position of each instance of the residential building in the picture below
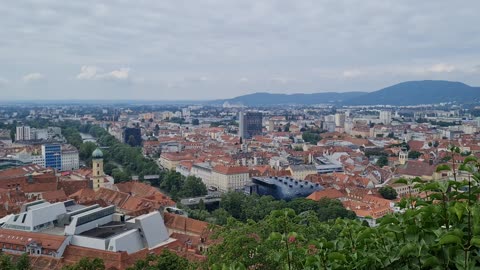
(23, 133)
(386, 117)
(229, 178)
(170, 161)
(204, 172)
(70, 158)
(300, 172)
(340, 120)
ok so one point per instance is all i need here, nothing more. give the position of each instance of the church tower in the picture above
(403, 156)
(98, 176)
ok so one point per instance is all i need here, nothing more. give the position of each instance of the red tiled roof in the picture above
(416, 168)
(54, 196)
(48, 241)
(185, 224)
(230, 169)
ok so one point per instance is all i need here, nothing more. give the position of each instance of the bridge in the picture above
(208, 199)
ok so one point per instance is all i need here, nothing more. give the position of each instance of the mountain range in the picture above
(402, 94)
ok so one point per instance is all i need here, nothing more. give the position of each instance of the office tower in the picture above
(250, 124)
(52, 154)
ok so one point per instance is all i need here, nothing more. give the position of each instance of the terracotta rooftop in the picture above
(416, 168)
(229, 170)
(330, 193)
(185, 224)
(23, 238)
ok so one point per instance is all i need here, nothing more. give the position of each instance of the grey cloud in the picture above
(279, 46)
(33, 77)
(96, 73)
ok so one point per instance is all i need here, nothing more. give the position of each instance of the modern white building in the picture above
(67, 223)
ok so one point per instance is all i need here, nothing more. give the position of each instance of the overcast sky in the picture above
(207, 49)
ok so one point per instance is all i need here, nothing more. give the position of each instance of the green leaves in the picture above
(449, 239)
(459, 209)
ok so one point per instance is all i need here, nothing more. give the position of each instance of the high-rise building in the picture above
(52, 154)
(98, 175)
(250, 124)
(386, 117)
(23, 133)
(340, 120)
(132, 136)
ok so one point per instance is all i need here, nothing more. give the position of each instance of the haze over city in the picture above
(160, 50)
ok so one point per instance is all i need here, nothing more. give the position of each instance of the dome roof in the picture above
(97, 153)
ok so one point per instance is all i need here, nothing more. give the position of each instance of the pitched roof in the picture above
(23, 238)
(229, 170)
(55, 196)
(416, 168)
(330, 193)
(185, 224)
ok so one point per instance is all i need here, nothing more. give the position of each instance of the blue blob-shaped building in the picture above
(283, 188)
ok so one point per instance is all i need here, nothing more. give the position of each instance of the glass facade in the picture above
(53, 156)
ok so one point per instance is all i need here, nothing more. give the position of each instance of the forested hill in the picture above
(420, 92)
(256, 99)
(405, 93)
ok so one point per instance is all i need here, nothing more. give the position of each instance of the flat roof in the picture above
(107, 231)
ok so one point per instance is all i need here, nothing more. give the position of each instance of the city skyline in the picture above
(158, 51)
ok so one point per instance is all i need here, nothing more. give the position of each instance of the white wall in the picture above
(129, 241)
(89, 242)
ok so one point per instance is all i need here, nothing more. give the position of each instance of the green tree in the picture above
(166, 260)
(109, 167)
(298, 148)
(382, 161)
(86, 150)
(131, 141)
(23, 263)
(195, 122)
(388, 193)
(414, 154)
(311, 138)
(6, 262)
(119, 175)
(87, 264)
(193, 187)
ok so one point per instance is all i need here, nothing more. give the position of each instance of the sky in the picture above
(212, 49)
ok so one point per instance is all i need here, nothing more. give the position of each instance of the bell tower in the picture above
(403, 157)
(98, 176)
